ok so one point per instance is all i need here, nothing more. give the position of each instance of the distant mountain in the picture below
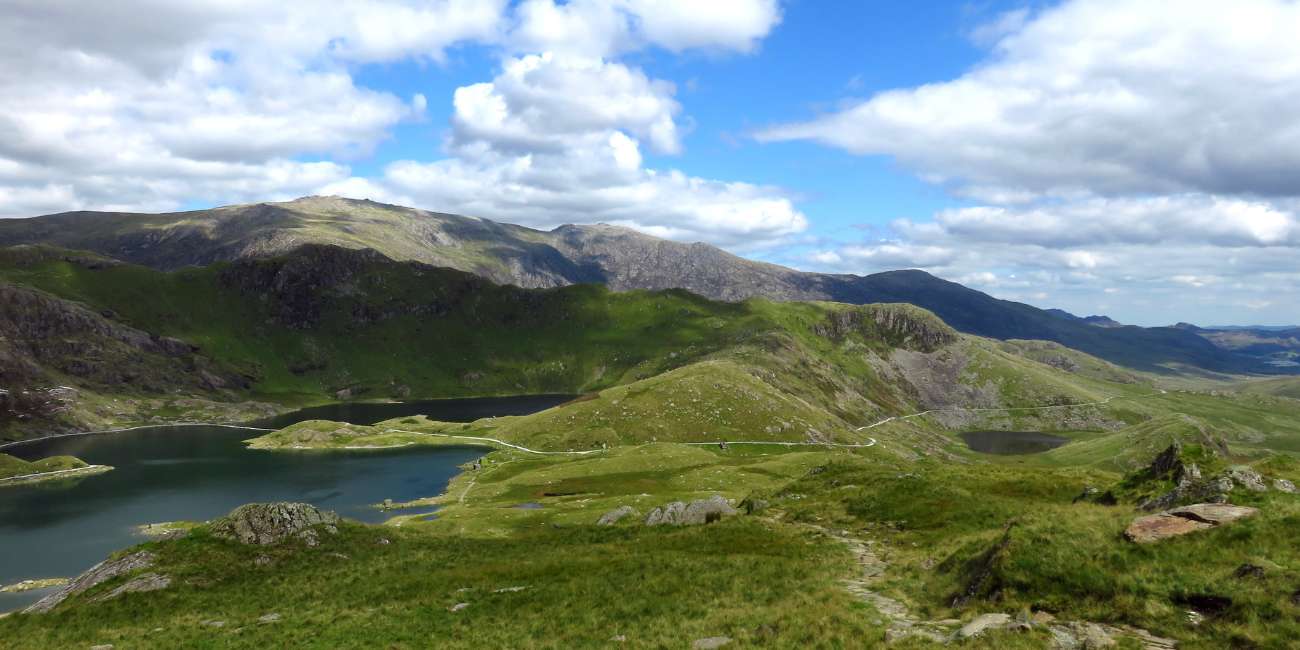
(1261, 328)
(1274, 346)
(620, 258)
(1096, 321)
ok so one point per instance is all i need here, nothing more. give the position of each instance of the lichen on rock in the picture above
(265, 524)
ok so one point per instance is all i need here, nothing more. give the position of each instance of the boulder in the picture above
(1081, 636)
(98, 574)
(271, 523)
(1283, 485)
(1153, 528)
(707, 511)
(1247, 478)
(670, 514)
(1213, 490)
(1248, 570)
(1187, 519)
(1214, 513)
(1168, 462)
(702, 511)
(710, 643)
(983, 623)
(614, 516)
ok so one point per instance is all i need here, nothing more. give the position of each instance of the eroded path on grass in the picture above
(869, 569)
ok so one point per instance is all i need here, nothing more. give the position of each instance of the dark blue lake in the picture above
(196, 473)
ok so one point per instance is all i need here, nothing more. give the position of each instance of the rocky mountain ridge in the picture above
(620, 258)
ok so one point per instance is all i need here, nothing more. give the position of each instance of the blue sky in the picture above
(861, 48)
(1102, 156)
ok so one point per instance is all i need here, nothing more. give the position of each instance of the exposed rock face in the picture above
(1168, 462)
(142, 583)
(619, 257)
(1153, 528)
(271, 523)
(1207, 491)
(1181, 521)
(711, 643)
(1191, 487)
(98, 574)
(1214, 513)
(904, 326)
(1247, 478)
(703, 511)
(616, 515)
(981, 624)
(44, 338)
(46, 341)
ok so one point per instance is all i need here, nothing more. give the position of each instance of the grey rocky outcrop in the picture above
(616, 515)
(96, 575)
(711, 643)
(272, 523)
(702, 511)
(983, 623)
(139, 584)
(1247, 478)
(1191, 487)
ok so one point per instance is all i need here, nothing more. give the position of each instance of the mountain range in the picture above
(620, 258)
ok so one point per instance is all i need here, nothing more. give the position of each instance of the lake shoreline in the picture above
(58, 474)
(251, 425)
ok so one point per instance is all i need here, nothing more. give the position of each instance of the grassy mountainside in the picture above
(619, 258)
(11, 467)
(325, 323)
(1281, 387)
(840, 544)
(834, 546)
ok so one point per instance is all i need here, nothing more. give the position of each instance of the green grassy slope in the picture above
(622, 258)
(323, 323)
(10, 466)
(1281, 387)
(378, 325)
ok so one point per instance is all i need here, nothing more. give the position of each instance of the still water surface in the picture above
(59, 529)
(1011, 443)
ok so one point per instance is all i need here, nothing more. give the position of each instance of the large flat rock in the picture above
(1184, 520)
(1214, 513)
(1153, 528)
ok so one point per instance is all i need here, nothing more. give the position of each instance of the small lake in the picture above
(1011, 443)
(59, 529)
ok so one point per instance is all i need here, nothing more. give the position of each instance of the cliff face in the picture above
(901, 326)
(46, 341)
